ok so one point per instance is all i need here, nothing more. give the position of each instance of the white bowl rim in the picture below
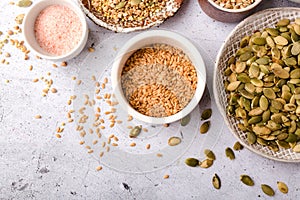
(82, 19)
(201, 77)
(235, 10)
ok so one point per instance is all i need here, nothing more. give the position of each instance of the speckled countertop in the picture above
(34, 164)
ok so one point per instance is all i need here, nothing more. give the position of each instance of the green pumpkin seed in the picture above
(263, 61)
(261, 141)
(173, 141)
(281, 40)
(261, 130)
(267, 190)
(192, 162)
(295, 73)
(277, 118)
(276, 54)
(135, 131)
(257, 82)
(269, 93)
(283, 144)
(120, 5)
(254, 120)
(247, 180)
(209, 154)
(231, 60)
(259, 40)
(276, 104)
(185, 120)
(135, 2)
(297, 29)
(297, 21)
(245, 41)
(294, 36)
(216, 181)
(233, 86)
(283, 22)
(229, 153)
(247, 94)
(250, 87)
(266, 116)
(296, 148)
(243, 77)
(238, 146)
(270, 42)
(279, 71)
(296, 48)
(272, 31)
(256, 111)
(289, 107)
(282, 187)
(206, 163)
(292, 138)
(206, 114)
(282, 136)
(290, 61)
(240, 67)
(24, 3)
(263, 103)
(287, 51)
(286, 36)
(245, 56)
(255, 102)
(254, 70)
(205, 127)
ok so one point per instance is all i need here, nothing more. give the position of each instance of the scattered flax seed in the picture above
(102, 127)
(73, 78)
(148, 146)
(58, 135)
(35, 80)
(129, 127)
(129, 118)
(73, 97)
(159, 155)
(103, 144)
(30, 67)
(119, 121)
(99, 168)
(54, 90)
(26, 57)
(111, 136)
(38, 116)
(7, 55)
(91, 49)
(95, 142)
(10, 32)
(101, 154)
(103, 86)
(63, 123)
(64, 64)
(97, 84)
(145, 130)
(90, 151)
(114, 144)
(108, 141)
(81, 142)
(91, 131)
(166, 176)
(6, 81)
(69, 102)
(116, 138)
(79, 82)
(69, 115)
(49, 73)
(87, 147)
(70, 120)
(97, 91)
(93, 78)
(107, 149)
(133, 144)
(166, 125)
(105, 80)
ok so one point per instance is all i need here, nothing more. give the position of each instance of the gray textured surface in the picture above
(34, 164)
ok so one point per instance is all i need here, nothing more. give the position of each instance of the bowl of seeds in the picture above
(158, 76)
(129, 15)
(229, 10)
(257, 83)
(55, 30)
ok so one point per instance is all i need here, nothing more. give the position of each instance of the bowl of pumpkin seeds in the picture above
(257, 83)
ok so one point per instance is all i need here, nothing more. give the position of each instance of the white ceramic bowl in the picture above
(250, 7)
(296, 1)
(29, 35)
(148, 38)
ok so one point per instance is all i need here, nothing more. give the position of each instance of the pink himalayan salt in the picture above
(58, 29)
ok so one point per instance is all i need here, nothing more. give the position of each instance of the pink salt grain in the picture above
(58, 29)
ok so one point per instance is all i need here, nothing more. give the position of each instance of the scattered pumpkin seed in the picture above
(135, 131)
(238, 146)
(229, 153)
(204, 127)
(206, 163)
(209, 154)
(120, 5)
(247, 180)
(173, 141)
(206, 114)
(24, 3)
(192, 162)
(216, 181)
(282, 187)
(185, 120)
(267, 190)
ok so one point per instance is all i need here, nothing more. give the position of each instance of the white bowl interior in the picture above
(29, 35)
(152, 37)
(235, 10)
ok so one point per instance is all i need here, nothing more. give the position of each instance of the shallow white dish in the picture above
(258, 21)
(29, 35)
(250, 7)
(152, 37)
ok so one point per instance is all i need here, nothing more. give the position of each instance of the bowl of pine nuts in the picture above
(158, 77)
(229, 10)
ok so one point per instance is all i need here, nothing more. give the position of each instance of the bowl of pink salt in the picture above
(55, 30)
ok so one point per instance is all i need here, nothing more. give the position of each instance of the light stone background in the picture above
(34, 164)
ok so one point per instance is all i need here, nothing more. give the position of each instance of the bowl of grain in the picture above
(158, 77)
(55, 30)
(229, 10)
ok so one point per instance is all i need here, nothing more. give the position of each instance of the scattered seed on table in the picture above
(64, 64)
(148, 146)
(114, 144)
(166, 125)
(38, 116)
(26, 57)
(58, 135)
(205, 127)
(129, 118)
(87, 147)
(10, 32)
(30, 68)
(247, 180)
(216, 181)
(166, 176)
(107, 149)
(101, 154)
(81, 142)
(229, 153)
(69, 102)
(238, 146)
(54, 90)
(206, 163)
(90, 151)
(91, 49)
(192, 162)
(206, 114)
(282, 187)
(133, 144)
(267, 190)
(35, 80)
(7, 55)
(99, 168)
(95, 142)
(93, 78)
(159, 155)
(79, 82)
